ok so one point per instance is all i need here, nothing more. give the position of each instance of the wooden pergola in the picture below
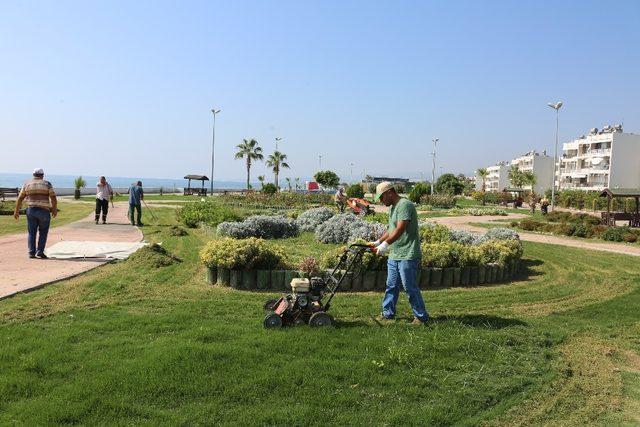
(195, 191)
(610, 218)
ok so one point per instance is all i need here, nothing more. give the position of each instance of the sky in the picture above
(126, 88)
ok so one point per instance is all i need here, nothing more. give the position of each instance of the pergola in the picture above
(610, 218)
(195, 191)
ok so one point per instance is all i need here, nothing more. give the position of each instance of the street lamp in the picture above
(351, 165)
(433, 168)
(556, 107)
(277, 139)
(213, 143)
(320, 160)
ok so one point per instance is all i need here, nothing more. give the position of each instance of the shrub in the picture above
(558, 216)
(419, 189)
(310, 219)
(500, 251)
(437, 254)
(269, 188)
(566, 228)
(336, 229)
(501, 233)
(629, 237)
(347, 227)
(262, 226)
(615, 234)
(248, 254)
(582, 230)
(530, 225)
(432, 232)
(355, 190)
(207, 212)
(443, 201)
(465, 237)
(365, 230)
(370, 261)
(309, 267)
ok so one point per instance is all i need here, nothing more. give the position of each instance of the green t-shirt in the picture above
(408, 245)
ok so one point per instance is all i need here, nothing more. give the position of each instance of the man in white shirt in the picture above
(104, 193)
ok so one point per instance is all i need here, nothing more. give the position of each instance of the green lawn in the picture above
(127, 344)
(67, 212)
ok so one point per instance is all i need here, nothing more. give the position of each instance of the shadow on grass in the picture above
(527, 270)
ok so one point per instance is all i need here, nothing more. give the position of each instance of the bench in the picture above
(4, 192)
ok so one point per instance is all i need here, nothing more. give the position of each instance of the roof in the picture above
(197, 177)
(620, 192)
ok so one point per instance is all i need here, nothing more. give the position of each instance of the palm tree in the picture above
(297, 183)
(288, 182)
(250, 151)
(483, 173)
(261, 179)
(276, 161)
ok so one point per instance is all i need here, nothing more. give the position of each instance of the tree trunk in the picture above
(248, 172)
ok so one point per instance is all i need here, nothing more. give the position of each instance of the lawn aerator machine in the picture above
(359, 206)
(305, 304)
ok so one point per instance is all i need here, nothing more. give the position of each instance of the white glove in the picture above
(383, 248)
(375, 244)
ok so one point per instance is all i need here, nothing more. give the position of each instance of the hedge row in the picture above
(429, 278)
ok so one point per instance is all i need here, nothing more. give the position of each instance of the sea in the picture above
(12, 180)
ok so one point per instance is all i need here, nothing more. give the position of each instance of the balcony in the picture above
(596, 152)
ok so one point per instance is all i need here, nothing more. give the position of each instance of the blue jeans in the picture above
(38, 220)
(403, 273)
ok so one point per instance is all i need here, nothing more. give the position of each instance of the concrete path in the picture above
(19, 273)
(462, 223)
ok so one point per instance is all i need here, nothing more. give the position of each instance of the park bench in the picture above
(4, 192)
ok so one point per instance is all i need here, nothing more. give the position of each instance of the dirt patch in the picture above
(176, 230)
(153, 256)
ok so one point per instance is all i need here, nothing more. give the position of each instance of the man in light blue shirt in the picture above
(136, 196)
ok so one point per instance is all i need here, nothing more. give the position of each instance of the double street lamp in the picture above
(433, 168)
(556, 107)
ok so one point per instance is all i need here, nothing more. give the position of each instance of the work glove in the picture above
(382, 249)
(374, 244)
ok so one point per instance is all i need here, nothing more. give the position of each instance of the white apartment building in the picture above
(497, 178)
(542, 167)
(607, 158)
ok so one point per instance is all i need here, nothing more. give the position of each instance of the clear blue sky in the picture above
(125, 88)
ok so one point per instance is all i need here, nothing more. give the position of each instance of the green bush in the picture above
(531, 225)
(444, 201)
(269, 189)
(207, 212)
(615, 234)
(439, 255)
(630, 237)
(380, 217)
(356, 191)
(419, 189)
(558, 216)
(431, 232)
(246, 254)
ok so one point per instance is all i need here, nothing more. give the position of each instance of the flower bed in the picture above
(282, 200)
(578, 225)
(262, 226)
(347, 227)
(310, 219)
(207, 212)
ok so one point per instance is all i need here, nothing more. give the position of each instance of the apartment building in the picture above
(497, 178)
(606, 158)
(542, 167)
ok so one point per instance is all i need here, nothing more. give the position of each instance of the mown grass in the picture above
(131, 344)
(67, 213)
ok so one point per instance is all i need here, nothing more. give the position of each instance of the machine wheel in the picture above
(299, 322)
(272, 320)
(320, 319)
(270, 304)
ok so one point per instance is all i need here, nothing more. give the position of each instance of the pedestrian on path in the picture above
(41, 206)
(104, 193)
(402, 242)
(136, 196)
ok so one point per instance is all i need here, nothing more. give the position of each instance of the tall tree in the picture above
(261, 179)
(250, 151)
(327, 178)
(288, 182)
(517, 177)
(276, 161)
(483, 174)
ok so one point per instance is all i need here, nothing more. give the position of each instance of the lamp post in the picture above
(351, 166)
(433, 168)
(320, 160)
(277, 139)
(213, 143)
(556, 107)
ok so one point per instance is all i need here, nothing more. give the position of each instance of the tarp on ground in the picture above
(107, 250)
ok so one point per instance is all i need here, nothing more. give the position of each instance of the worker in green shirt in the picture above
(402, 242)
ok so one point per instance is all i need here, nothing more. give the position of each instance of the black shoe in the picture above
(103, 221)
(96, 222)
(41, 255)
(32, 255)
(140, 224)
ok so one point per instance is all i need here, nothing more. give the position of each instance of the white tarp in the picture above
(110, 250)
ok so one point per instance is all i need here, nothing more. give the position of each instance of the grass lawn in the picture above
(129, 344)
(67, 212)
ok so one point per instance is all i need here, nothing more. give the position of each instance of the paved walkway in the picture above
(20, 273)
(462, 223)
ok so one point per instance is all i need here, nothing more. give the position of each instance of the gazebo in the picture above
(195, 191)
(610, 218)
